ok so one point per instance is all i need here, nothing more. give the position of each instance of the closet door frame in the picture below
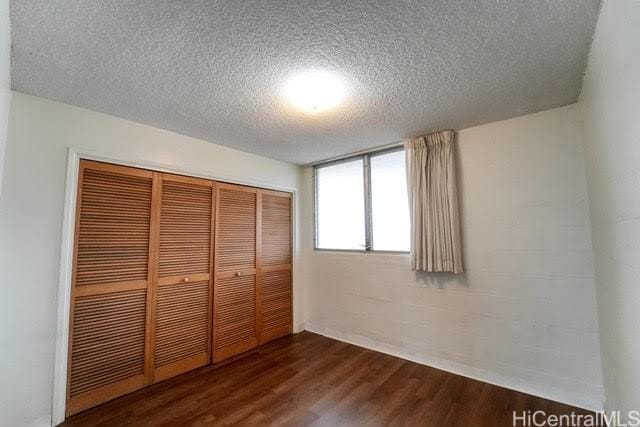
(64, 302)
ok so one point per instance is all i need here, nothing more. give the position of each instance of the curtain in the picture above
(433, 203)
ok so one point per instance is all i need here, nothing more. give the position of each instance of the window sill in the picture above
(361, 251)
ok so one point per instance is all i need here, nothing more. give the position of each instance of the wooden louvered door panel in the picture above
(182, 299)
(274, 267)
(234, 308)
(108, 335)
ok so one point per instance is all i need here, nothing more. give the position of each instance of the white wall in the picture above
(31, 210)
(524, 315)
(5, 78)
(610, 110)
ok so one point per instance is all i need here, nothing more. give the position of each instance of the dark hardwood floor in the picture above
(308, 379)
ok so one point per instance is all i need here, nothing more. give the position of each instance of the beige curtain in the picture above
(433, 203)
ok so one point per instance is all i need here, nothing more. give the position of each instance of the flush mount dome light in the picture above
(315, 91)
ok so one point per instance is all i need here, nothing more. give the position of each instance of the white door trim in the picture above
(66, 253)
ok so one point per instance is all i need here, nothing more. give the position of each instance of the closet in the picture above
(171, 273)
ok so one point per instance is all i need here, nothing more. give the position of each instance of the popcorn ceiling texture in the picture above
(215, 69)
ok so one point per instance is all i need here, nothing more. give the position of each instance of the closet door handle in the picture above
(238, 274)
(186, 279)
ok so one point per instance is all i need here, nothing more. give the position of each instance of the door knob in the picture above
(186, 279)
(238, 274)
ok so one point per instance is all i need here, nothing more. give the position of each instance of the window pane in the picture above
(389, 205)
(340, 210)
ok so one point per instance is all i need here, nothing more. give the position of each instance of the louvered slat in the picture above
(185, 229)
(108, 339)
(276, 230)
(275, 294)
(236, 232)
(113, 230)
(274, 287)
(182, 300)
(182, 322)
(235, 328)
(111, 266)
(235, 311)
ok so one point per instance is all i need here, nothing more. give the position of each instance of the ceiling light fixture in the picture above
(315, 91)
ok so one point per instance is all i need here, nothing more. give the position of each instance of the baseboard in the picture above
(590, 404)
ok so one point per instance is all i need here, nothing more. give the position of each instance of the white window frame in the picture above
(366, 169)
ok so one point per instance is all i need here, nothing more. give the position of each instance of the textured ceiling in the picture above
(215, 69)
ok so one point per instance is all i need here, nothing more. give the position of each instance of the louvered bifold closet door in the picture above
(275, 264)
(108, 334)
(182, 299)
(234, 307)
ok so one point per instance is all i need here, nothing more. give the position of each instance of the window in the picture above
(389, 204)
(361, 203)
(340, 211)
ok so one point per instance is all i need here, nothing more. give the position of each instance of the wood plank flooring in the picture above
(308, 379)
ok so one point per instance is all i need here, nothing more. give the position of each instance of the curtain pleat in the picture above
(433, 203)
